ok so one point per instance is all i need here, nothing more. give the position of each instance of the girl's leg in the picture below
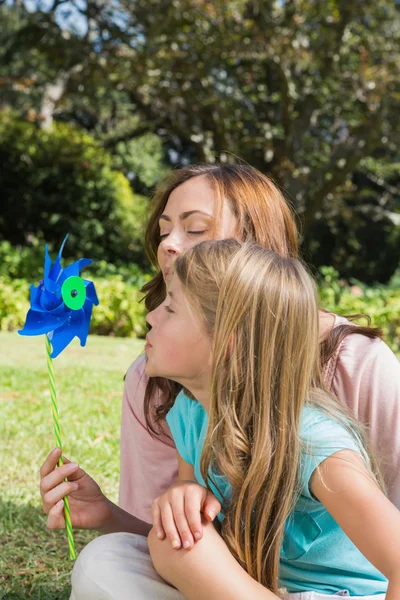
(206, 571)
(118, 566)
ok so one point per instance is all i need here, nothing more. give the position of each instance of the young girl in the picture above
(302, 506)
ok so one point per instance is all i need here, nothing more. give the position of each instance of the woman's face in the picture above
(188, 219)
(178, 346)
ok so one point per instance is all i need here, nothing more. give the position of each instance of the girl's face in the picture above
(178, 346)
(188, 219)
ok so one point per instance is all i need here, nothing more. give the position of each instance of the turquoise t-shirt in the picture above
(316, 554)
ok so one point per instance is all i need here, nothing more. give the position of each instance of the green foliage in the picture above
(26, 262)
(22, 262)
(380, 303)
(60, 180)
(119, 313)
(316, 106)
(359, 233)
(14, 303)
(141, 158)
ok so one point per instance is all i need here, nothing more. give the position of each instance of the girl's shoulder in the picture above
(322, 435)
(317, 425)
(187, 421)
(189, 412)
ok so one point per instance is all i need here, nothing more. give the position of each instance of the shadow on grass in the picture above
(34, 561)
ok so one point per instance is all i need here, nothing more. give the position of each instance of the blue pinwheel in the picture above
(61, 305)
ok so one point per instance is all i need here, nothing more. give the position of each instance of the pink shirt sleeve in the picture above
(366, 377)
(148, 466)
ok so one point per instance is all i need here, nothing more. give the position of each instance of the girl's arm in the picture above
(346, 489)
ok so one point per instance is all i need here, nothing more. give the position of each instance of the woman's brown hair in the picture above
(263, 216)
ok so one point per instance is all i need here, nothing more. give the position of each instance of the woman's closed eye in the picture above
(165, 235)
(168, 309)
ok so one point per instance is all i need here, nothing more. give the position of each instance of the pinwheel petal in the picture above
(74, 269)
(91, 292)
(47, 262)
(57, 269)
(85, 326)
(61, 338)
(38, 322)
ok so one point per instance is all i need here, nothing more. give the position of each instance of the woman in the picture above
(192, 205)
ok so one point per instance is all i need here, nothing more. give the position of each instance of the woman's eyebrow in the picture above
(186, 214)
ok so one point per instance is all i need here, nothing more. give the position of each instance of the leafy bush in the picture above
(61, 180)
(380, 303)
(14, 303)
(120, 312)
(22, 262)
(26, 262)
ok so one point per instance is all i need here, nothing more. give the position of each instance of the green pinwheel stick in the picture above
(60, 308)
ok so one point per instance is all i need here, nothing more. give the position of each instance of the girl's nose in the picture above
(150, 318)
(153, 317)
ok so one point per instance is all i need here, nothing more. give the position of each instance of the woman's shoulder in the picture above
(359, 354)
(137, 369)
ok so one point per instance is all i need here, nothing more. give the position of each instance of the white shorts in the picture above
(118, 566)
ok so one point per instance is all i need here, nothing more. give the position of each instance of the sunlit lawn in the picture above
(34, 561)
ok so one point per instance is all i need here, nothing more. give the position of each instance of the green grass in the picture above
(34, 561)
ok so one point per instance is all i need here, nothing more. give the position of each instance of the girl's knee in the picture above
(169, 561)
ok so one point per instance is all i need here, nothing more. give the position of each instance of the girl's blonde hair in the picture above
(263, 216)
(262, 310)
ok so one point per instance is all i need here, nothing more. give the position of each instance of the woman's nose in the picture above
(172, 245)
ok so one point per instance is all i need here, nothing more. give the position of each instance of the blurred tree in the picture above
(60, 181)
(304, 90)
(359, 233)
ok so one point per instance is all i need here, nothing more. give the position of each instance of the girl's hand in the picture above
(90, 509)
(177, 513)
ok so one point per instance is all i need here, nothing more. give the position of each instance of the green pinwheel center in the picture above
(73, 292)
